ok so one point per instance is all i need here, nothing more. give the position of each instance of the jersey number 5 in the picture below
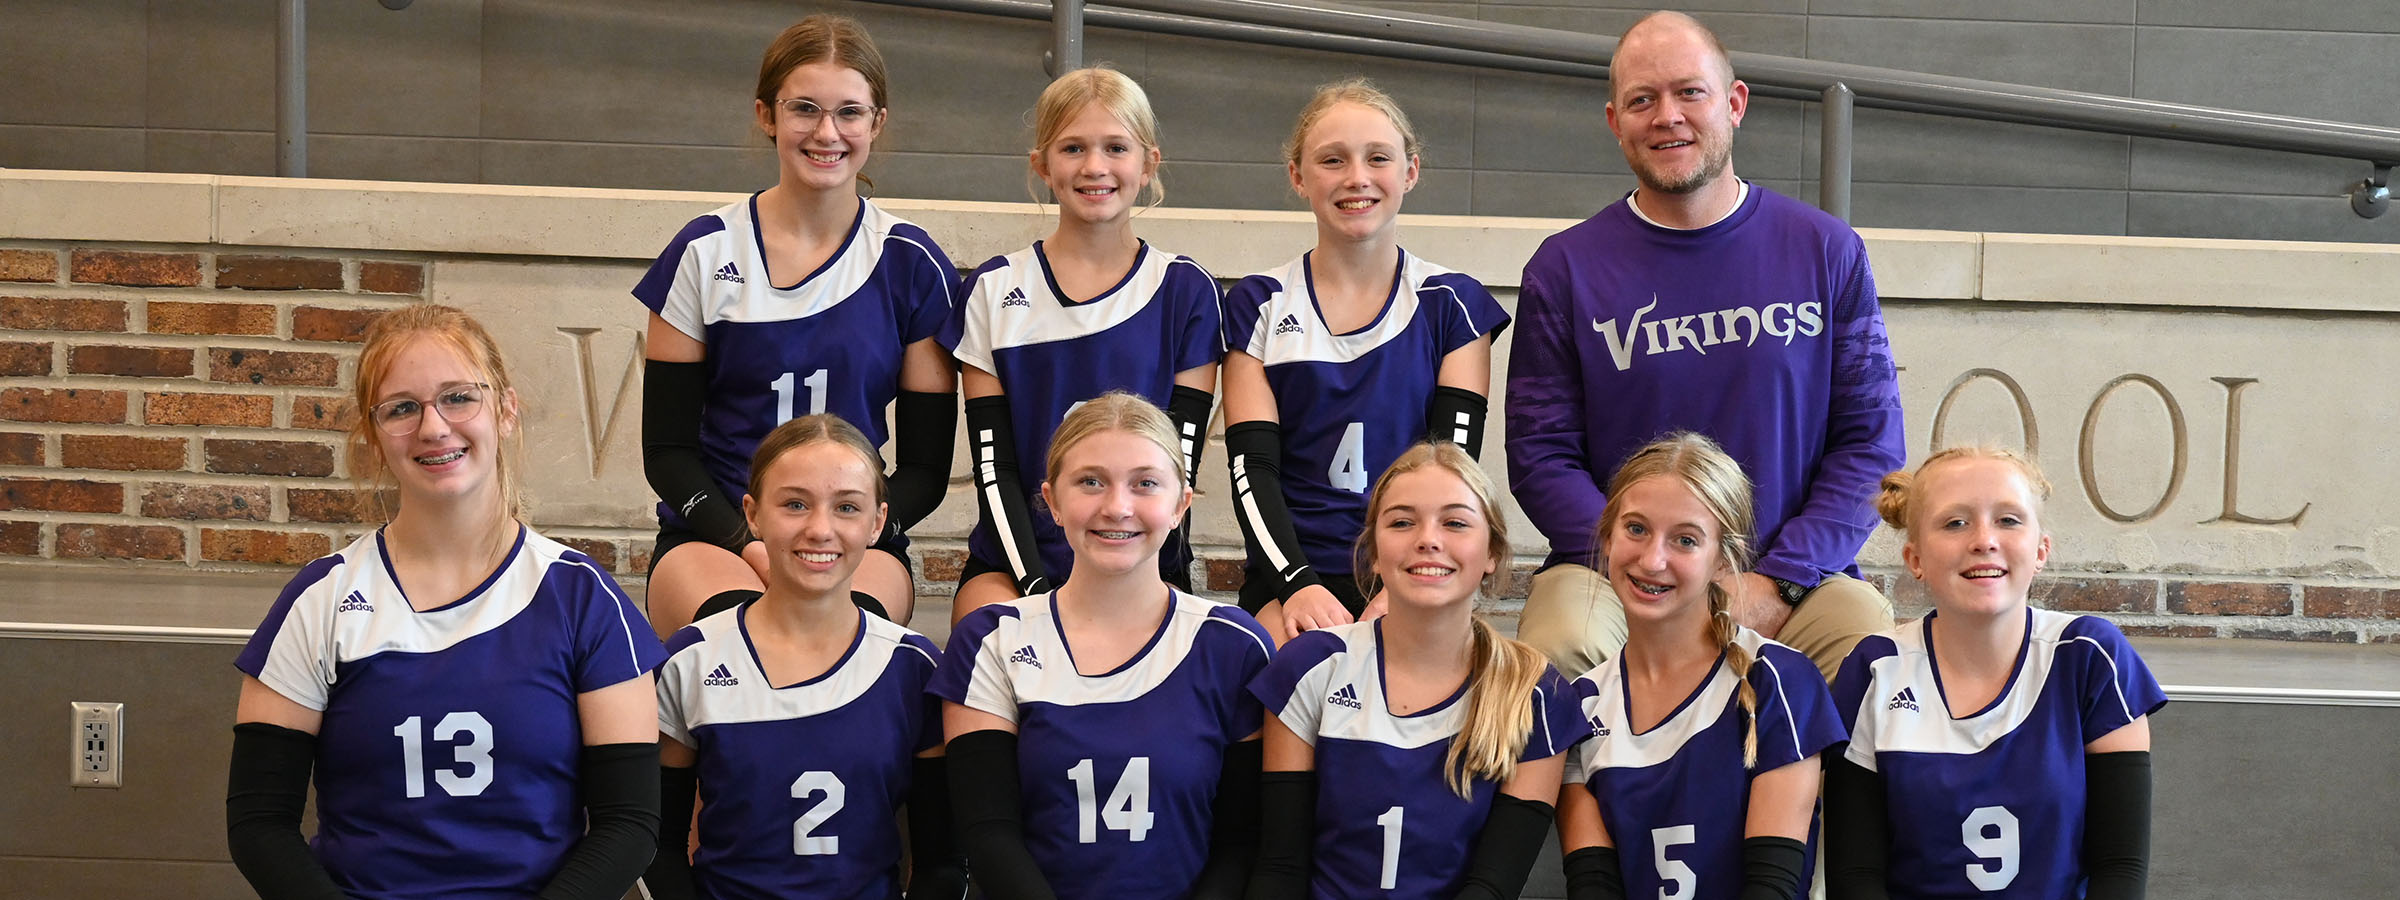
(815, 383)
(474, 755)
(1128, 808)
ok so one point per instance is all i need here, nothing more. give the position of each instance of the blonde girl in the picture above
(1703, 780)
(1415, 755)
(1996, 750)
(1090, 308)
(1101, 744)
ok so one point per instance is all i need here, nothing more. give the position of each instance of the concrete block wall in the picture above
(654, 94)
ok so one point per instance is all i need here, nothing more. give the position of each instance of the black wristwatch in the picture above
(1791, 592)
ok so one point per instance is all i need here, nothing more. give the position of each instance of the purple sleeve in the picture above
(1864, 440)
(1281, 676)
(2116, 687)
(1201, 308)
(1246, 656)
(252, 661)
(929, 713)
(668, 288)
(926, 284)
(613, 640)
(956, 672)
(1851, 683)
(1547, 456)
(1796, 716)
(1242, 306)
(964, 338)
(1558, 720)
(1468, 309)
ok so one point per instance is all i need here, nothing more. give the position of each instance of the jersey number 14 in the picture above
(1128, 808)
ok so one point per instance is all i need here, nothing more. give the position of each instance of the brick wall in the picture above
(186, 407)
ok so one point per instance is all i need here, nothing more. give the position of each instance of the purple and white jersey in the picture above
(448, 759)
(1676, 798)
(1990, 802)
(1388, 823)
(799, 783)
(1349, 404)
(1051, 354)
(1118, 771)
(831, 342)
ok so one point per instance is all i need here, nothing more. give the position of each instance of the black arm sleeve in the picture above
(1233, 828)
(1254, 450)
(1512, 836)
(1456, 415)
(265, 793)
(991, 825)
(1771, 869)
(670, 874)
(1287, 830)
(935, 869)
(1593, 873)
(992, 453)
(620, 805)
(2116, 825)
(1858, 832)
(1189, 408)
(924, 427)
(673, 395)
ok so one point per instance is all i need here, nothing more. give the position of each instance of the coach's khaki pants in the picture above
(1573, 617)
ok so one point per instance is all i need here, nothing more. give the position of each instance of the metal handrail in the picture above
(1444, 39)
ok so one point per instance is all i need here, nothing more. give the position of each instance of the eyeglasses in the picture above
(401, 416)
(850, 120)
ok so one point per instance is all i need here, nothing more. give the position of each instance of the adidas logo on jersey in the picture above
(1347, 696)
(1599, 728)
(1289, 325)
(720, 677)
(1906, 699)
(356, 602)
(1016, 297)
(729, 273)
(1025, 655)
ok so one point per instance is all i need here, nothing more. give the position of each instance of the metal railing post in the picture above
(1833, 158)
(1066, 37)
(291, 89)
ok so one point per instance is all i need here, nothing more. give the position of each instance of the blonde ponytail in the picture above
(1722, 631)
(1500, 682)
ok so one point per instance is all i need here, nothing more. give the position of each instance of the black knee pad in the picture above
(870, 604)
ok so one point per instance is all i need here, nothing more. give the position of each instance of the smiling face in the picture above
(1095, 166)
(816, 513)
(1977, 542)
(1433, 543)
(436, 460)
(1117, 495)
(1674, 107)
(1663, 550)
(1353, 168)
(818, 154)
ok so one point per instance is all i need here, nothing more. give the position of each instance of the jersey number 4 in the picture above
(1128, 808)
(1349, 469)
(473, 755)
(815, 383)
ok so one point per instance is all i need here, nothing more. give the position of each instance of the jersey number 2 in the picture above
(474, 754)
(1991, 832)
(804, 843)
(815, 383)
(1128, 808)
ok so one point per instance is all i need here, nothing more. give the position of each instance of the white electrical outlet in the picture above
(98, 760)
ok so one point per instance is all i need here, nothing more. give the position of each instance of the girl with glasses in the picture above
(1091, 308)
(802, 298)
(474, 699)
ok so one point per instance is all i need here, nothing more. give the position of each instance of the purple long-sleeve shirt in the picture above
(1761, 331)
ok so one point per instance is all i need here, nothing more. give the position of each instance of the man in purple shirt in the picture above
(1701, 302)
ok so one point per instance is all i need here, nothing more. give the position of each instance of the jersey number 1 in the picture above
(1128, 808)
(815, 383)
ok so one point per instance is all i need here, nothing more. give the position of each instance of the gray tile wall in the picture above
(654, 94)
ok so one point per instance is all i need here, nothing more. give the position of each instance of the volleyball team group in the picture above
(1707, 702)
